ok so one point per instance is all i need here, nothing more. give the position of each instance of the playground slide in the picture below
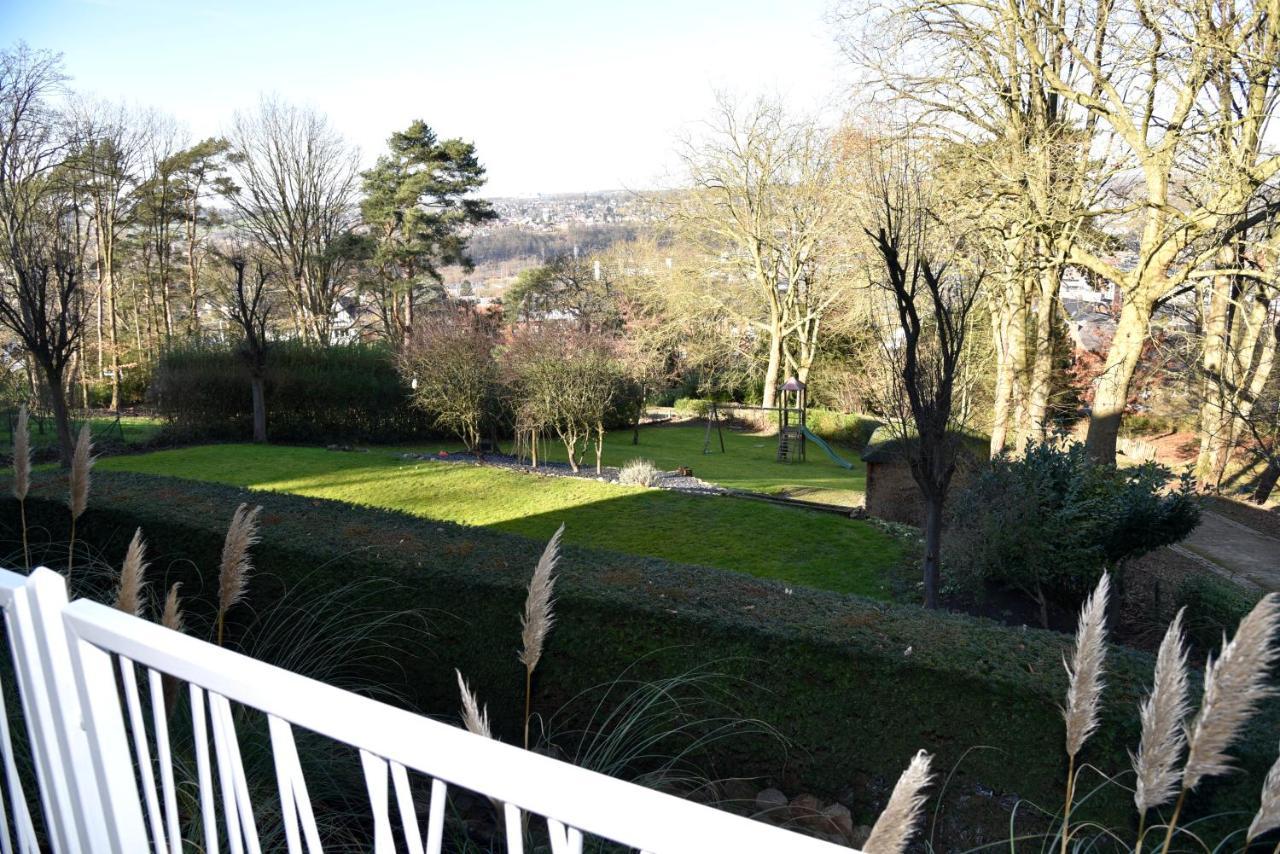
(809, 434)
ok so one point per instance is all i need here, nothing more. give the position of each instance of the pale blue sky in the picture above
(558, 96)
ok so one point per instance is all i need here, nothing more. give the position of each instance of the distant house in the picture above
(892, 493)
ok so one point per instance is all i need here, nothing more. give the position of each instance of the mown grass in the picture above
(799, 547)
(133, 430)
(748, 461)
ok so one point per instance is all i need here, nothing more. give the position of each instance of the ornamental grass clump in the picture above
(78, 492)
(22, 475)
(236, 564)
(538, 618)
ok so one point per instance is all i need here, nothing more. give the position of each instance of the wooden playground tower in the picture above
(791, 422)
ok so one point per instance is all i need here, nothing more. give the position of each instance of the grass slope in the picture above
(794, 546)
(748, 461)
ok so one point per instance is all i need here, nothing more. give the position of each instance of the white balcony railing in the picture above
(100, 752)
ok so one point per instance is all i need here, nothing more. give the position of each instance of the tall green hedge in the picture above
(343, 393)
(855, 686)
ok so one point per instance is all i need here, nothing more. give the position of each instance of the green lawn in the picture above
(748, 462)
(132, 430)
(795, 546)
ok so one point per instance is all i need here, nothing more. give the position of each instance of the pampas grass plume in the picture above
(1085, 669)
(81, 464)
(22, 456)
(475, 719)
(129, 594)
(1163, 714)
(893, 829)
(1234, 684)
(233, 571)
(1268, 817)
(172, 618)
(538, 618)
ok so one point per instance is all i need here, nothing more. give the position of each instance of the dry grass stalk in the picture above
(22, 473)
(1163, 714)
(1085, 669)
(537, 619)
(893, 829)
(1268, 817)
(474, 718)
(233, 571)
(129, 594)
(172, 618)
(1234, 684)
(78, 494)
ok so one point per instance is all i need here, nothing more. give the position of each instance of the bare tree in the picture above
(40, 282)
(763, 204)
(932, 293)
(297, 180)
(247, 304)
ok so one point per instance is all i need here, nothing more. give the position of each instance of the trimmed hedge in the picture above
(856, 686)
(342, 393)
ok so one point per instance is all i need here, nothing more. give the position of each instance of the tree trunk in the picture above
(1112, 392)
(1266, 483)
(61, 417)
(1041, 383)
(259, 409)
(1004, 383)
(770, 395)
(932, 550)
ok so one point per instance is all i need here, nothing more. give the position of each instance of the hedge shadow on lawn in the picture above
(857, 686)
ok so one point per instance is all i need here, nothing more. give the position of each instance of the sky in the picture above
(557, 95)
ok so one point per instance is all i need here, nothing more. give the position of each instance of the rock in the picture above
(858, 513)
(858, 838)
(839, 820)
(771, 805)
(807, 811)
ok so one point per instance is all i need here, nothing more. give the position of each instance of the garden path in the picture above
(1241, 553)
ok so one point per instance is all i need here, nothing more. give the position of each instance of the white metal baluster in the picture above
(564, 840)
(200, 726)
(23, 826)
(435, 815)
(129, 677)
(51, 784)
(289, 775)
(226, 782)
(160, 722)
(24, 830)
(375, 777)
(408, 815)
(243, 802)
(94, 725)
(515, 832)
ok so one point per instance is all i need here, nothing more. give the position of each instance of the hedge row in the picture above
(343, 393)
(856, 686)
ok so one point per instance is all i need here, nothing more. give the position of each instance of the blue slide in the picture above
(824, 446)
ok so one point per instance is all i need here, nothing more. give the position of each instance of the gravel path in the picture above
(667, 480)
(1247, 555)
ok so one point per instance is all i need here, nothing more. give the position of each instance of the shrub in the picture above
(449, 363)
(693, 407)
(639, 473)
(1214, 607)
(315, 394)
(1048, 524)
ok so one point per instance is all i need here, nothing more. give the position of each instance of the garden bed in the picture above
(854, 686)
